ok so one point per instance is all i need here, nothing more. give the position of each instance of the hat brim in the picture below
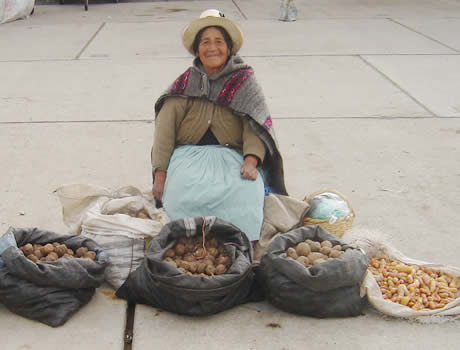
(192, 29)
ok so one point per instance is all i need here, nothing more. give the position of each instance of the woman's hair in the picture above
(224, 33)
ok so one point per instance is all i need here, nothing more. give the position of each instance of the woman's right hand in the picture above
(159, 184)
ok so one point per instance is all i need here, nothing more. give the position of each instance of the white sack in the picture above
(11, 10)
(374, 295)
(103, 215)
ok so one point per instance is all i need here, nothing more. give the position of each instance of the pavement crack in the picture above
(397, 86)
(239, 9)
(90, 41)
(424, 35)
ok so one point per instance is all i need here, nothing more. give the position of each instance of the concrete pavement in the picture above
(365, 99)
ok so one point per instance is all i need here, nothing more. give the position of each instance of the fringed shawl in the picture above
(236, 88)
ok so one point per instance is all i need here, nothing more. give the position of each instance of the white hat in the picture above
(212, 18)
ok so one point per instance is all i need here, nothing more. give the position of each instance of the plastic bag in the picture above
(158, 283)
(49, 292)
(113, 219)
(11, 10)
(328, 206)
(329, 289)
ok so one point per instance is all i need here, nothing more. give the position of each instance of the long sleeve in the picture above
(166, 124)
(252, 144)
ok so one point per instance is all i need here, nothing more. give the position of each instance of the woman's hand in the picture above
(159, 184)
(248, 170)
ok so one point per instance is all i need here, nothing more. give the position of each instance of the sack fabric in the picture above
(374, 294)
(49, 292)
(206, 181)
(105, 217)
(159, 284)
(329, 289)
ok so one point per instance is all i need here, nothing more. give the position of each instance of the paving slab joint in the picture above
(398, 86)
(90, 41)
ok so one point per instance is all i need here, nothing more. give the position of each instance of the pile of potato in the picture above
(310, 253)
(192, 257)
(413, 286)
(54, 251)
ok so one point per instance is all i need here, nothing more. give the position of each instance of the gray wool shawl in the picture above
(236, 88)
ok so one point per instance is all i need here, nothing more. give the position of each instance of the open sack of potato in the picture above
(311, 272)
(46, 276)
(399, 286)
(196, 266)
(120, 221)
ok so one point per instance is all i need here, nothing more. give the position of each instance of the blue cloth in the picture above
(206, 181)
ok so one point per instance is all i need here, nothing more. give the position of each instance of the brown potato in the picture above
(210, 270)
(90, 255)
(33, 258)
(38, 253)
(325, 250)
(337, 247)
(61, 250)
(52, 256)
(212, 251)
(48, 248)
(335, 253)
(303, 260)
(180, 249)
(220, 269)
(315, 246)
(303, 249)
(326, 243)
(27, 249)
(317, 261)
(201, 267)
(315, 256)
(291, 253)
(70, 252)
(82, 251)
(55, 244)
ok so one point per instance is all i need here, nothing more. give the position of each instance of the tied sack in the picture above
(122, 222)
(160, 284)
(49, 292)
(329, 289)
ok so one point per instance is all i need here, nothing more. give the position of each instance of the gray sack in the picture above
(49, 292)
(329, 289)
(159, 284)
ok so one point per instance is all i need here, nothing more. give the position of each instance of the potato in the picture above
(180, 249)
(82, 251)
(61, 250)
(181, 269)
(27, 249)
(38, 253)
(189, 246)
(303, 249)
(315, 255)
(212, 243)
(192, 267)
(171, 261)
(326, 243)
(291, 253)
(201, 267)
(220, 269)
(199, 253)
(334, 253)
(48, 248)
(70, 252)
(33, 258)
(170, 253)
(315, 246)
(56, 244)
(318, 261)
(303, 260)
(337, 247)
(212, 251)
(189, 257)
(210, 270)
(52, 256)
(325, 250)
(223, 259)
(90, 255)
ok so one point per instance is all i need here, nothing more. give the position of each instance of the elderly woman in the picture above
(214, 150)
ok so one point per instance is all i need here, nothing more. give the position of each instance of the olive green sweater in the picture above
(184, 121)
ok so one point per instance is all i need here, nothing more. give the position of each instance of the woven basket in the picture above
(341, 225)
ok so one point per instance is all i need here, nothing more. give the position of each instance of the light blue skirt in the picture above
(206, 181)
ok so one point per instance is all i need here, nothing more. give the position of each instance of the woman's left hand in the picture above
(248, 170)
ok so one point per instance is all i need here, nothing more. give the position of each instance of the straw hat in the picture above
(213, 18)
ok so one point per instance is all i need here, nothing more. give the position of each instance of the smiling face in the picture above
(212, 51)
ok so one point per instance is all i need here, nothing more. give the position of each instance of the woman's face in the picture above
(213, 50)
